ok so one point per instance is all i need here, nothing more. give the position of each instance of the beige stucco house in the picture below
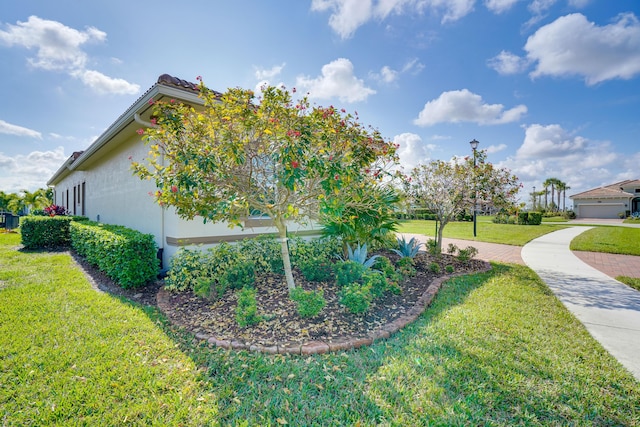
(98, 182)
(608, 201)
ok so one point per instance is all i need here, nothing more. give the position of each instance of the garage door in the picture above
(600, 210)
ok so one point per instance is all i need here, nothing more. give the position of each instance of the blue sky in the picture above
(551, 88)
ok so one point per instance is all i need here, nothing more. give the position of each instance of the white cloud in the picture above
(337, 80)
(551, 151)
(414, 66)
(571, 45)
(263, 74)
(499, 6)
(103, 84)
(496, 148)
(508, 63)
(9, 129)
(31, 171)
(412, 150)
(464, 106)
(538, 7)
(59, 48)
(348, 15)
(550, 141)
(388, 75)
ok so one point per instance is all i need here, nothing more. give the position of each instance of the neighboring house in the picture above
(99, 183)
(608, 201)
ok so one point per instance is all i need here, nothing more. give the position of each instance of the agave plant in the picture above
(359, 255)
(407, 249)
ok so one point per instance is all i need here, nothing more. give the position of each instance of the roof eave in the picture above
(157, 91)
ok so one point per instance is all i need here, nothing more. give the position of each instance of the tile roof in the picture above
(609, 191)
(168, 80)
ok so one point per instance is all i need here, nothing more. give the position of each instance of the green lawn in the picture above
(494, 349)
(486, 230)
(72, 356)
(614, 240)
(634, 282)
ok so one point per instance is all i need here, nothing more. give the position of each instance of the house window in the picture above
(74, 199)
(83, 196)
(66, 206)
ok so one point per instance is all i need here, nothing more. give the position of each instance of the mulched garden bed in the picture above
(282, 330)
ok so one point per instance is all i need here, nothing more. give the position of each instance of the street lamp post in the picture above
(474, 146)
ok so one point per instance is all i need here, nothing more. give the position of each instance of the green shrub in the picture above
(535, 218)
(356, 298)
(406, 267)
(434, 267)
(309, 303)
(316, 270)
(523, 218)
(348, 272)
(240, 274)
(452, 248)
(449, 269)
(39, 232)
(127, 256)
(247, 308)
(464, 255)
(376, 282)
(432, 247)
(187, 269)
(303, 251)
(265, 252)
(384, 265)
(203, 288)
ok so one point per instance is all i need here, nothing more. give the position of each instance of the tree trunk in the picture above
(284, 250)
(439, 237)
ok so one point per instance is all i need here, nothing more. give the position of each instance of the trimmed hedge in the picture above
(125, 255)
(39, 232)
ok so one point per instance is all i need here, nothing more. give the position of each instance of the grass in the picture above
(486, 230)
(634, 282)
(613, 240)
(494, 349)
(72, 356)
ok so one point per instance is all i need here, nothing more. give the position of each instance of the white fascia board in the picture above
(155, 93)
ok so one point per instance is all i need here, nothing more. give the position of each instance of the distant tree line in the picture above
(25, 201)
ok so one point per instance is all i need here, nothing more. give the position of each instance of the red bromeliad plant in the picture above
(241, 155)
(54, 210)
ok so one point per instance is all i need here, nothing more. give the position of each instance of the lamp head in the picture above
(474, 144)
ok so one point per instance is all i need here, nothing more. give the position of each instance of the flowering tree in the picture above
(451, 188)
(270, 156)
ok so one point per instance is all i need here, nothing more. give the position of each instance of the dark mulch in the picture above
(281, 321)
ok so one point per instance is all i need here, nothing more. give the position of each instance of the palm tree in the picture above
(36, 200)
(548, 182)
(15, 204)
(565, 187)
(4, 200)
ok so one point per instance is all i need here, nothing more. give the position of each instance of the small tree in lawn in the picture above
(450, 188)
(242, 155)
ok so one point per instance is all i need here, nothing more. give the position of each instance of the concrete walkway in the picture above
(609, 309)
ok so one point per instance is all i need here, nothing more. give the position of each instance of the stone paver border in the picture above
(321, 347)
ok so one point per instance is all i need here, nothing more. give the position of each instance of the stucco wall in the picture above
(113, 195)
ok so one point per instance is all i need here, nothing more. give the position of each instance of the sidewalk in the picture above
(609, 309)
